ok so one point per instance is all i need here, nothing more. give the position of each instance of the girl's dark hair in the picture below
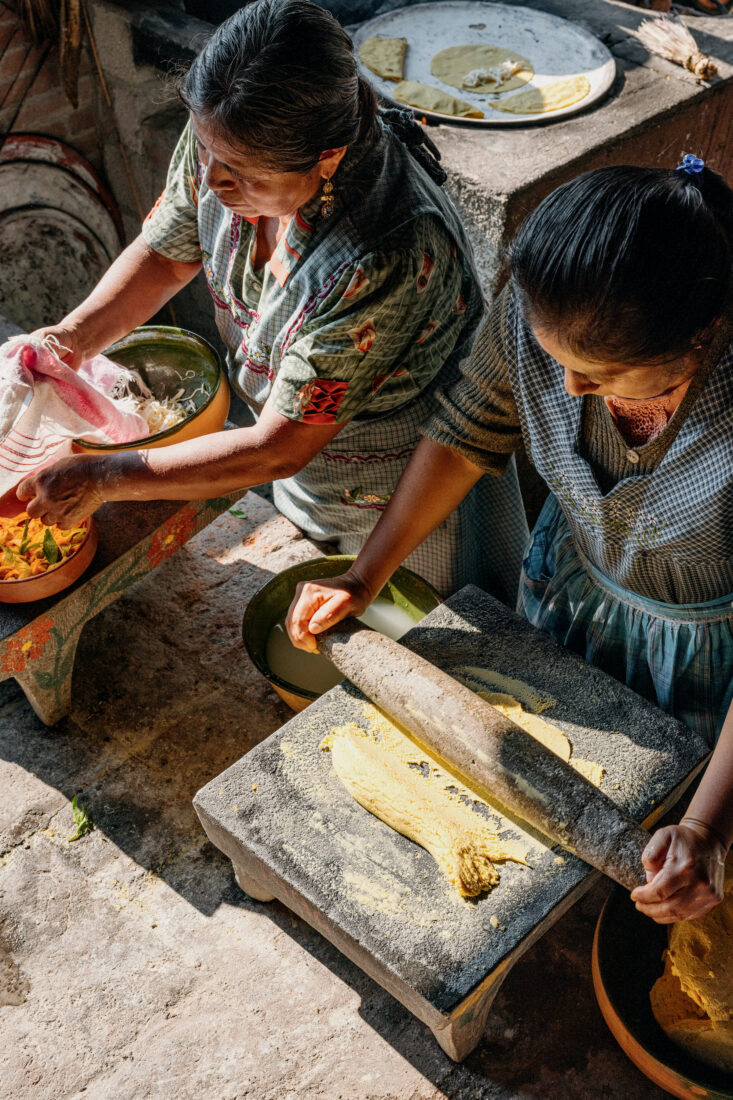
(279, 79)
(629, 265)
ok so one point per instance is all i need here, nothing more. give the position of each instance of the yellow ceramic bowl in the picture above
(171, 359)
(54, 580)
(627, 960)
(270, 603)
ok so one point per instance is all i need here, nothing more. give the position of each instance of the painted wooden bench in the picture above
(38, 640)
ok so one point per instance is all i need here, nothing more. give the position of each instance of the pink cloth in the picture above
(44, 404)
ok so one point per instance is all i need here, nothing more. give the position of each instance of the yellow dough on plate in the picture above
(384, 56)
(693, 999)
(453, 64)
(549, 97)
(427, 98)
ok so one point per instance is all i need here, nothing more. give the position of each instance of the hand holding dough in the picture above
(693, 999)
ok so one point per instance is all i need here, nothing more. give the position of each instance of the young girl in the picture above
(609, 354)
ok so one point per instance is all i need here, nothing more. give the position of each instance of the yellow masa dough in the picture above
(453, 64)
(548, 97)
(404, 786)
(693, 999)
(550, 736)
(384, 56)
(427, 98)
(389, 775)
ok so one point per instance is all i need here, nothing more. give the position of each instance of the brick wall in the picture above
(44, 109)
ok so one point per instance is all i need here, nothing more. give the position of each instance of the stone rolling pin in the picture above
(488, 752)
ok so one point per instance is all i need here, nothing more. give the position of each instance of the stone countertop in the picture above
(504, 159)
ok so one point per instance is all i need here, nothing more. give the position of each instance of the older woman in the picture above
(343, 287)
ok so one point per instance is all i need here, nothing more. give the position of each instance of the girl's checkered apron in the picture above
(638, 580)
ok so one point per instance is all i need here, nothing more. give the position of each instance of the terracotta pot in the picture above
(55, 580)
(627, 960)
(164, 357)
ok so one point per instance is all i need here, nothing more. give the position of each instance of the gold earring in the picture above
(327, 198)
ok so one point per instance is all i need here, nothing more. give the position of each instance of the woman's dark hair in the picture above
(629, 265)
(279, 79)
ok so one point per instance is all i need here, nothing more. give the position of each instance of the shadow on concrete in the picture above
(156, 714)
(545, 1036)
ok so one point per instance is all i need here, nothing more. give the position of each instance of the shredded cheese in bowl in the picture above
(29, 547)
(133, 394)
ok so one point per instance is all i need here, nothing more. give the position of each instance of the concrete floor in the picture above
(131, 966)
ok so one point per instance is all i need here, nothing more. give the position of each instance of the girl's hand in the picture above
(317, 605)
(67, 492)
(684, 868)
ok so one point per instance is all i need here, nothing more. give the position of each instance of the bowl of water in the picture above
(300, 677)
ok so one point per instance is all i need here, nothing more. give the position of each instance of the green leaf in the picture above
(23, 548)
(44, 680)
(237, 512)
(51, 551)
(82, 820)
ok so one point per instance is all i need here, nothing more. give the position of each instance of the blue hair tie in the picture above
(691, 164)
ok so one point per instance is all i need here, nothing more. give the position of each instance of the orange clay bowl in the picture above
(627, 960)
(169, 360)
(54, 580)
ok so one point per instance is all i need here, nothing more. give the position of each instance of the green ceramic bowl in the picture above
(169, 360)
(270, 603)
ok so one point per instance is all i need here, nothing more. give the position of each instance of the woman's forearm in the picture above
(213, 464)
(712, 803)
(136, 286)
(434, 483)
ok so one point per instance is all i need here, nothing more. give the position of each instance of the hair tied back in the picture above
(691, 164)
(402, 123)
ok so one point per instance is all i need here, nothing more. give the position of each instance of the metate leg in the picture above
(251, 886)
(465, 1029)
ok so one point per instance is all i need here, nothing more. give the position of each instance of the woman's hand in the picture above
(684, 868)
(67, 492)
(66, 342)
(317, 605)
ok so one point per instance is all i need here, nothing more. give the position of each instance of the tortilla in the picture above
(549, 97)
(384, 56)
(453, 64)
(427, 98)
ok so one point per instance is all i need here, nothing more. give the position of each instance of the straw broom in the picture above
(669, 38)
